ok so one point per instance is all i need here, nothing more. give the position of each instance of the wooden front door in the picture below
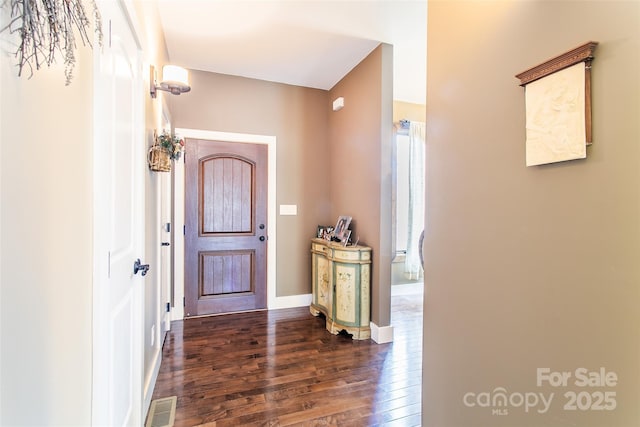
(226, 227)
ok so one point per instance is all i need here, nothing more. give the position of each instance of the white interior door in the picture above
(118, 223)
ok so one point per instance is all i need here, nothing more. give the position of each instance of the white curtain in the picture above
(413, 266)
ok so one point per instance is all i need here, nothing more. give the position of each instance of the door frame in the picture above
(272, 301)
(164, 210)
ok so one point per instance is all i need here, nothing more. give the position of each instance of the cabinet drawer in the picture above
(340, 255)
(319, 248)
(346, 255)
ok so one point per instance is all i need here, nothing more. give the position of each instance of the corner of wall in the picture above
(360, 171)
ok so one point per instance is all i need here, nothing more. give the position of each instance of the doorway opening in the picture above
(177, 313)
(407, 276)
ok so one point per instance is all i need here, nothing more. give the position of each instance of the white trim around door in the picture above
(272, 300)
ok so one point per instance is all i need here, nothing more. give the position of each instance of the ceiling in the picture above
(311, 43)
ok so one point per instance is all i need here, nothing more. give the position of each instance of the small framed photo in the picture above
(328, 232)
(321, 232)
(345, 239)
(342, 226)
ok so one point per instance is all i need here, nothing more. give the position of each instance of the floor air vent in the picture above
(162, 412)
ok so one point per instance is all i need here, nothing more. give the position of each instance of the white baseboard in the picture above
(290, 301)
(150, 382)
(381, 334)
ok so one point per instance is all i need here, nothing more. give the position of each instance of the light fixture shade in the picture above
(175, 79)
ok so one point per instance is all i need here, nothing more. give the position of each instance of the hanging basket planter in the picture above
(159, 160)
(164, 150)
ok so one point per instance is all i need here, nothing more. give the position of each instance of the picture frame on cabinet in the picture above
(342, 226)
(328, 233)
(345, 239)
(321, 231)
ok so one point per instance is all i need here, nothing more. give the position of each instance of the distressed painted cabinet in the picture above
(341, 286)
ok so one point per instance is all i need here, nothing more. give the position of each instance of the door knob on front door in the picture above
(139, 267)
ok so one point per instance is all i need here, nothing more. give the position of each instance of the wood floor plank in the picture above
(282, 367)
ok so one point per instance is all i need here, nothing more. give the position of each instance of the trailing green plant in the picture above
(172, 144)
(47, 28)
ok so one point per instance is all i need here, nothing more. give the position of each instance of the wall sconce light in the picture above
(174, 79)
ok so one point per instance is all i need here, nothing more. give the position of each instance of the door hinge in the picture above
(184, 230)
(184, 302)
(168, 307)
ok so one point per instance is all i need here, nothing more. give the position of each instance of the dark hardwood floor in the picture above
(282, 367)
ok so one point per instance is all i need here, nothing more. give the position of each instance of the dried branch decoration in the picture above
(46, 27)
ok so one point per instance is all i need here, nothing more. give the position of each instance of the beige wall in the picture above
(297, 117)
(360, 147)
(408, 111)
(533, 267)
(46, 244)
